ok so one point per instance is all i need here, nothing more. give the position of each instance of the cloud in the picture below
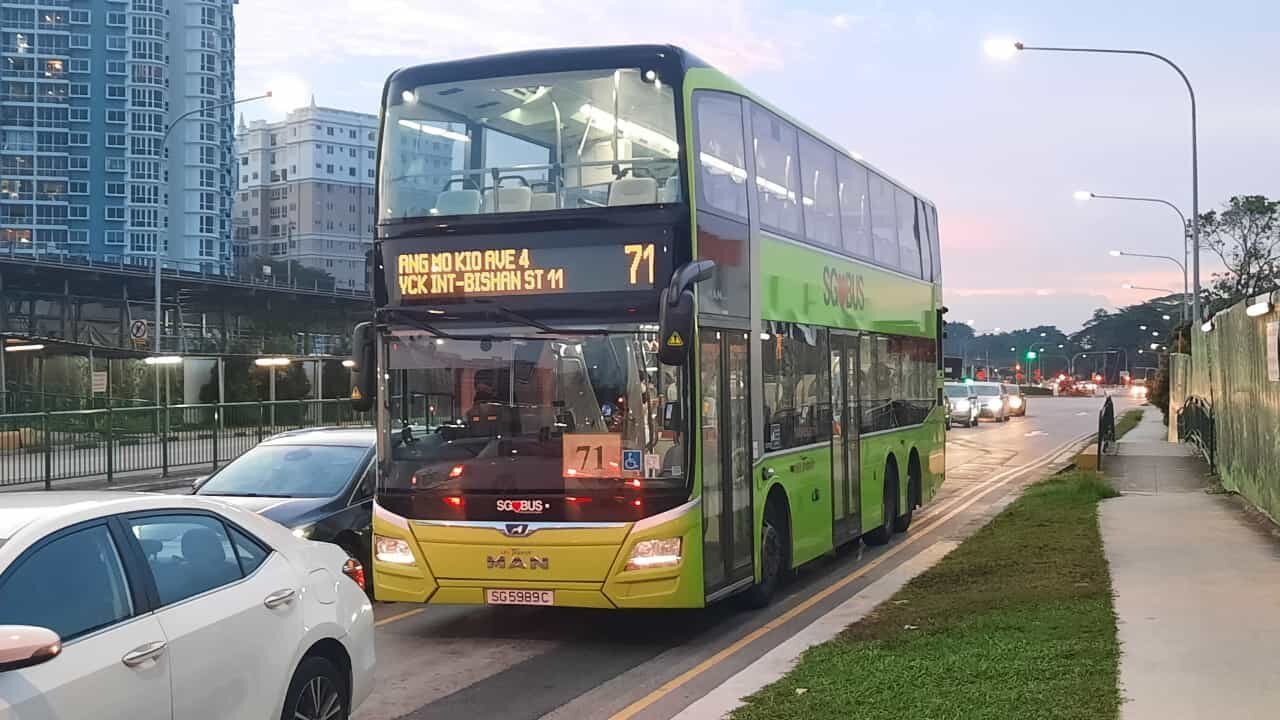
(740, 36)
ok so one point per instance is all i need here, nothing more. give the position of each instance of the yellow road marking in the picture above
(399, 616)
(666, 688)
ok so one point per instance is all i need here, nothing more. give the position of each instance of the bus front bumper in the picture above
(583, 565)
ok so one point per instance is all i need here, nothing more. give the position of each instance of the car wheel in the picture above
(317, 692)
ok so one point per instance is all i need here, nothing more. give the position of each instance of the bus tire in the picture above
(902, 522)
(775, 552)
(882, 534)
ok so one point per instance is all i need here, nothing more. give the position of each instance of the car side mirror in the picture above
(22, 646)
(196, 483)
(364, 355)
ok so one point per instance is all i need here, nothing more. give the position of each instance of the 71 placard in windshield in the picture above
(494, 272)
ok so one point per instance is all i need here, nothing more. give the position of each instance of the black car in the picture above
(317, 482)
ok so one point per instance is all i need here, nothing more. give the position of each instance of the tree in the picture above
(1245, 236)
(299, 274)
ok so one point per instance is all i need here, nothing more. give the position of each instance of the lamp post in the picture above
(1182, 221)
(1003, 50)
(272, 364)
(1131, 286)
(164, 144)
(1185, 294)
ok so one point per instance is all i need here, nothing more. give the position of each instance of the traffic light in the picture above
(1031, 354)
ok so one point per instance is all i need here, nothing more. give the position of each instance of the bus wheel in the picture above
(881, 535)
(774, 553)
(903, 521)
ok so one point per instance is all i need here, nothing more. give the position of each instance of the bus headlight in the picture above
(392, 550)
(664, 552)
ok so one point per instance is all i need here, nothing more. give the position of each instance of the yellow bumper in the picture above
(585, 564)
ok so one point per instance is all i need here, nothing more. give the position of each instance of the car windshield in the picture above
(956, 391)
(549, 142)
(577, 410)
(295, 471)
(988, 390)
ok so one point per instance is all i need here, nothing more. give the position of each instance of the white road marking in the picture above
(782, 658)
(1034, 433)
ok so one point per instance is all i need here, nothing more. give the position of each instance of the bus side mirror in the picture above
(364, 385)
(676, 310)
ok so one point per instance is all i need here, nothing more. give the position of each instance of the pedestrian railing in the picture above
(1106, 430)
(46, 447)
(1196, 426)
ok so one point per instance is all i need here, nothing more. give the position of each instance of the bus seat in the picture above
(633, 191)
(543, 201)
(670, 191)
(458, 202)
(510, 199)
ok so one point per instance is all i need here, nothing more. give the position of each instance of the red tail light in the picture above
(635, 482)
(455, 471)
(636, 502)
(354, 570)
(454, 501)
(576, 499)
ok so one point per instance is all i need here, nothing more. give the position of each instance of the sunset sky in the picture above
(998, 146)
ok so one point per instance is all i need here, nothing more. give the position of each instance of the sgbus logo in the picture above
(843, 289)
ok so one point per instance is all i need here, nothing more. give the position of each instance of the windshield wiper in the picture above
(543, 327)
(245, 494)
(420, 324)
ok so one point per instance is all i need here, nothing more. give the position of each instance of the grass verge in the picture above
(1016, 622)
(1128, 421)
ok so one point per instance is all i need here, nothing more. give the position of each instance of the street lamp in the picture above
(1183, 268)
(1131, 286)
(164, 144)
(1004, 49)
(163, 360)
(271, 363)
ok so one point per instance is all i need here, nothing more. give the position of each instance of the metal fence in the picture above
(47, 447)
(1195, 426)
(1106, 429)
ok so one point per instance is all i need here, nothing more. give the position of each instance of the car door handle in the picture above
(143, 653)
(280, 597)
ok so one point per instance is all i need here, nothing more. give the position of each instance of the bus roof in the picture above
(532, 62)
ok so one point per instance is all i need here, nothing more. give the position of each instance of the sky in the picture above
(998, 146)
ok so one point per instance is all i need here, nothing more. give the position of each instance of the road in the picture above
(560, 663)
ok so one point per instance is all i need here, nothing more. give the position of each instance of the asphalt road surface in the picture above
(517, 662)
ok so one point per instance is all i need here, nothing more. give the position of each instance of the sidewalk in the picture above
(1196, 585)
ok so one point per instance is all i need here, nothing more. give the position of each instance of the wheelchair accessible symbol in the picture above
(631, 460)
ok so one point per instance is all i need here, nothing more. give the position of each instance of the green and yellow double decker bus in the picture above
(641, 340)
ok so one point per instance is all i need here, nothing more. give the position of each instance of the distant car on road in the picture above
(133, 606)
(1017, 401)
(993, 401)
(318, 482)
(962, 404)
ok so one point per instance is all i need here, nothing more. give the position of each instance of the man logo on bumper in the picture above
(516, 529)
(532, 562)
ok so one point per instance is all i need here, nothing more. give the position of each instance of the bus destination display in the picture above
(524, 271)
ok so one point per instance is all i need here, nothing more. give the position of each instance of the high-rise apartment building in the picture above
(306, 192)
(88, 89)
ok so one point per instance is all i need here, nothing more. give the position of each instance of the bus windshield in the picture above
(547, 142)
(582, 414)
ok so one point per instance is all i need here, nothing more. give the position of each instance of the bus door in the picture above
(845, 417)
(725, 427)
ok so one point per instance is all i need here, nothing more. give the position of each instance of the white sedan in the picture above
(151, 607)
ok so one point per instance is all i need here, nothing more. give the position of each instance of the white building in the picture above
(306, 191)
